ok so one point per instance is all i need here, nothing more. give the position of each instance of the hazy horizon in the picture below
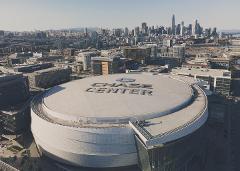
(29, 15)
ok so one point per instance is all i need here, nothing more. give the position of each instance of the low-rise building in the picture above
(177, 51)
(172, 62)
(85, 58)
(15, 119)
(68, 52)
(14, 103)
(235, 80)
(32, 68)
(219, 63)
(140, 54)
(235, 42)
(219, 80)
(49, 77)
(51, 58)
(18, 58)
(14, 89)
(106, 65)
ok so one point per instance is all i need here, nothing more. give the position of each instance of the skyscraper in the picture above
(126, 31)
(182, 29)
(178, 29)
(136, 31)
(144, 28)
(190, 29)
(173, 25)
(195, 28)
(86, 31)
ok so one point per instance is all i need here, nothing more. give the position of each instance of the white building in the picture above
(93, 122)
(85, 58)
(219, 79)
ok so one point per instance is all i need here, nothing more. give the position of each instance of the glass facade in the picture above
(17, 122)
(14, 91)
(223, 86)
(185, 154)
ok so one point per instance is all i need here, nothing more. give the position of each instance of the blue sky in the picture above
(54, 14)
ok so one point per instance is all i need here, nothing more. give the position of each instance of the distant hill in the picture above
(81, 29)
(77, 29)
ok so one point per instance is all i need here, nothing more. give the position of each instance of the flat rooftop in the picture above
(99, 58)
(47, 70)
(9, 76)
(117, 98)
(202, 72)
(13, 110)
(160, 130)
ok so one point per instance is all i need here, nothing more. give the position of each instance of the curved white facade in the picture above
(104, 147)
(90, 143)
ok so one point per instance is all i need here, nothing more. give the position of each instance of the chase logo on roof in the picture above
(125, 86)
(126, 80)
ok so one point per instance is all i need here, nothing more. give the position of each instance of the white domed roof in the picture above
(117, 98)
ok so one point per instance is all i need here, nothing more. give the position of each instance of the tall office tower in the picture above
(1, 33)
(126, 31)
(132, 32)
(207, 32)
(169, 30)
(173, 25)
(144, 28)
(178, 29)
(182, 29)
(189, 29)
(144, 25)
(214, 32)
(136, 31)
(86, 31)
(117, 32)
(194, 27)
(198, 30)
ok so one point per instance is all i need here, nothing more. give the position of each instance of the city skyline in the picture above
(35, 15)
(119, 85)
